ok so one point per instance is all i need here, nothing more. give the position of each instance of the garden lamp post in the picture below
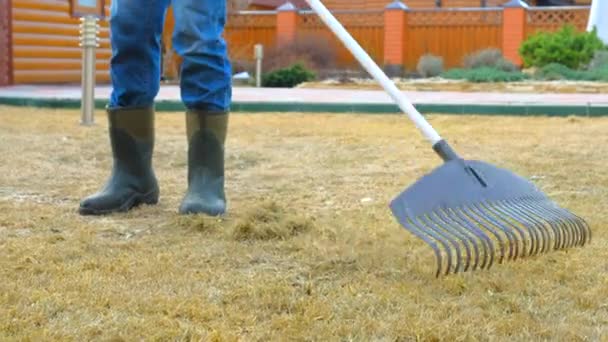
(89, 41)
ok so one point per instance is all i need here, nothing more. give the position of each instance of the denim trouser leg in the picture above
(206, 71)
(135, 29)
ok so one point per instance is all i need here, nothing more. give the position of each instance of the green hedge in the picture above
(566, 46)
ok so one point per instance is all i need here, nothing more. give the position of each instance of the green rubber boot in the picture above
(206, 138)
(132, 181)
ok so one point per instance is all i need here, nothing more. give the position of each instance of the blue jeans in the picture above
(135, 29)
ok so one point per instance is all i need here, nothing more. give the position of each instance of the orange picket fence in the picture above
(41, 44)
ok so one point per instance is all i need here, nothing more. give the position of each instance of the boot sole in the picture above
(134, 201)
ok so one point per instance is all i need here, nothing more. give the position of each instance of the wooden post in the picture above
(513, 30)
(395, 26)
(6, 45)
(287, 22)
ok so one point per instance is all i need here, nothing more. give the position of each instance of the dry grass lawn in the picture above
(309, 250)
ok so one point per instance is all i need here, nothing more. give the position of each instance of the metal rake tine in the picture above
(568, 226)
(475, 211)
(461, 232)
(579, 220)
(578, 224)
(583, 223)
(455, 215)
(485, 240)
(431, 225)
(541, 212)
(542, 228)
(507, 213)
(441, 216)
(512, 237)
(418, 231)
(501, 217)
(482, 212)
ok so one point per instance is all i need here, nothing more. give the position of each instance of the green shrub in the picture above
(430, 65)
(288, 77)
(555, 71)
(600, 60)
(491, 58)
(565, 46)
(484, 74)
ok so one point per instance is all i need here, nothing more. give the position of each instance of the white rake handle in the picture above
(371, 67)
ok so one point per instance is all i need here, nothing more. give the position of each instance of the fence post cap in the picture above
(287, 7)
(516, 4)
(397, 5)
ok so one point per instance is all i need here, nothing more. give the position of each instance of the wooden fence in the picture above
(451, 34)
(40, 42)
(551, 19)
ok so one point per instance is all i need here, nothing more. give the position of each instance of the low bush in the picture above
(566, 46)
(485, 74)
(555, 72)
(430, 65)
(491, 58)
(600, 60)
(288, 77)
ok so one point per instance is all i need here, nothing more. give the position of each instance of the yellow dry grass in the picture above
(300, 256)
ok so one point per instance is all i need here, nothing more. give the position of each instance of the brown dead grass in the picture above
(351, 273)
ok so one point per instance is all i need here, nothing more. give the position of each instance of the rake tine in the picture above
(545, 236)
(542, 212)
(418, 231)
(583, 224)
(432, 226)
(452, 222)
(508, 213)
(577, 231)
(485, 240)
(504, 218)
(441, 240)
(532, 224)
(481, 216)
(576, 223)
(480, 211)
(441, 216)
(465, 214)
(569, 227)
(462, 233)
(450, 215)
(541, 222)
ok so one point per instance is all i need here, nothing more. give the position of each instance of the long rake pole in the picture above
(368, 63)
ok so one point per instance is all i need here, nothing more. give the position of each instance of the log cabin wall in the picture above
(45, 43)
(6, 74)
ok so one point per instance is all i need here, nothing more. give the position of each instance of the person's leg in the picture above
(206, 91)
(135, 30)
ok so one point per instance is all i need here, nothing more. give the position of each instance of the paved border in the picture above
(370, 108)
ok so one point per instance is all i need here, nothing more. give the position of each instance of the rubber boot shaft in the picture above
(132, 181)
(206, 134)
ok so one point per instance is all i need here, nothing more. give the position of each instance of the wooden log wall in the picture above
(6, 75)
(46, 43)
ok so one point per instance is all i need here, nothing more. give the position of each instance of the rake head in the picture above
(473, 214)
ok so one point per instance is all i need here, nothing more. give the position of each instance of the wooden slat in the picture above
(43, 16)
(52, 40)
(55, 64)
(58, 6)
(6, 56)
(55, 76)
(64, 52)
(53, 29)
